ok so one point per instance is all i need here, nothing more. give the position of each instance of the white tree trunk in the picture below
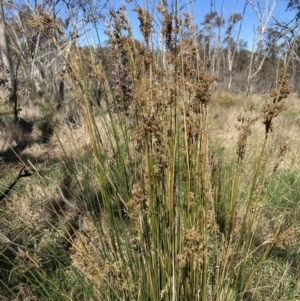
(257, 61)
(7, 69)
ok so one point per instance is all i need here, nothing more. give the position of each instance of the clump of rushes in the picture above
(242, 217)
(165, 246)
(158, 232)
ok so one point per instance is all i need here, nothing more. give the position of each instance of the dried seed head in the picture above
(279, 158)
(45, 23)
(244, 126)
(270, 111)
(145, 22)
(167, 30)
(284, 89)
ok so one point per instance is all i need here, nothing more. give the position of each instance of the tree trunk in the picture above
(36, 73)
(61, 89)
(230, 64)
(7, 75)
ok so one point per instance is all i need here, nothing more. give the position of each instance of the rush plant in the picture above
(159, 216)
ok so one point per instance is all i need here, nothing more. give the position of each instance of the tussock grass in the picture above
(225, 99)
(162, 192)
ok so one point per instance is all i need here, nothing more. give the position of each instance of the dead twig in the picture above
(22, 174)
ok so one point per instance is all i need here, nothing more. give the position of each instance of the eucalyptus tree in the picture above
(8, 80)
(294, 5)
(211, 37)
(41, 59)
(232, 43)
(264, 14)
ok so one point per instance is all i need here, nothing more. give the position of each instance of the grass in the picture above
(225, 99)
(174, 196)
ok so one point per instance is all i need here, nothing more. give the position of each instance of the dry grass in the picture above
(224, 121)
(226, 99)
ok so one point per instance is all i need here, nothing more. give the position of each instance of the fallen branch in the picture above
(22, 174)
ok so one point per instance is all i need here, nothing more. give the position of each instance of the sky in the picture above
(199, 8)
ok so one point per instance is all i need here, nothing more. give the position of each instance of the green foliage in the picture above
(284, 194)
